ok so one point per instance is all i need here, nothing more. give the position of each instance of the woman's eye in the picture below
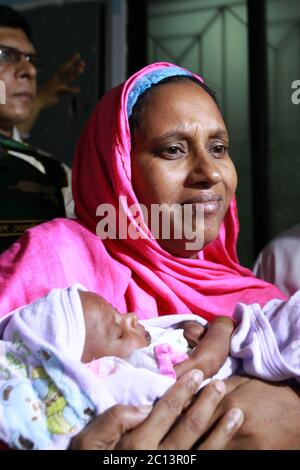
(219, 149)
(172, 152)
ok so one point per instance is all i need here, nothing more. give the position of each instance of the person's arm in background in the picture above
(53, 89)
(130, 428)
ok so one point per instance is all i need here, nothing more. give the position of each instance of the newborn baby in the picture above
(110, 333)
(70, 355)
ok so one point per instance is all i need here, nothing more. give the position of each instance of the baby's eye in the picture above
(119, 332)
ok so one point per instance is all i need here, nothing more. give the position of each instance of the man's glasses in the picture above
(10, 55)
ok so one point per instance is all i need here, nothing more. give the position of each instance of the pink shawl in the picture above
(134, 275)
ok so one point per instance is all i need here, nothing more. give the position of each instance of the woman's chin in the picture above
(184, 248)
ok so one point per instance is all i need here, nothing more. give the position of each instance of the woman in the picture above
(177, 153)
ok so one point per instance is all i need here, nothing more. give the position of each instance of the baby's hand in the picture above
(192, 331)
(211, 345)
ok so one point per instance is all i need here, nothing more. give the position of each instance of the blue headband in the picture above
(150, 79)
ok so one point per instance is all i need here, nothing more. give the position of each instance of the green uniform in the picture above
(27, 196)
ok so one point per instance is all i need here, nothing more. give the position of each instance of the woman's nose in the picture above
(130, 320)
(205, 171)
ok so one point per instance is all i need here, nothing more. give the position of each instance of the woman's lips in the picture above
(211, 203)
(211, 207)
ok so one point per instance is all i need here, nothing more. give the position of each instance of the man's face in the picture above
(19, 79)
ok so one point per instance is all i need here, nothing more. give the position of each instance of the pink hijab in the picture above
(134, 275)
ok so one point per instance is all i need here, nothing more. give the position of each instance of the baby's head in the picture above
(80, 324)
(108, 332)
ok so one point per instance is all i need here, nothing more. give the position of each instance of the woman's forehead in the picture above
(180, 93)
(181, 107)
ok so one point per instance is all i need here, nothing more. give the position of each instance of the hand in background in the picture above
(53, 89)
(60, 83)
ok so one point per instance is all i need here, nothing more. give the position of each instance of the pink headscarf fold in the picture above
(210, 285)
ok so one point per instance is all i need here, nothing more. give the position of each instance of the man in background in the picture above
(34, 187)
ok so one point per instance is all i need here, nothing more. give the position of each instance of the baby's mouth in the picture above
(148, 337)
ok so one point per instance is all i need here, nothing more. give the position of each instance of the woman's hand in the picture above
(272, 414)
(104, 432)
(114, 429)
(211, 346)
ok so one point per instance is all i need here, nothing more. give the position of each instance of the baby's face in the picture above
(108, 333)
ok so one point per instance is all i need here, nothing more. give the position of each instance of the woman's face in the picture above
(180, 156)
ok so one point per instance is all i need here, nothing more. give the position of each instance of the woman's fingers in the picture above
(224, 431)
(107, 429)
(234, 382)
(195, 422)
(213, 349)
(166, 427)
(151, 432)
(184, 367)
(212, 346)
